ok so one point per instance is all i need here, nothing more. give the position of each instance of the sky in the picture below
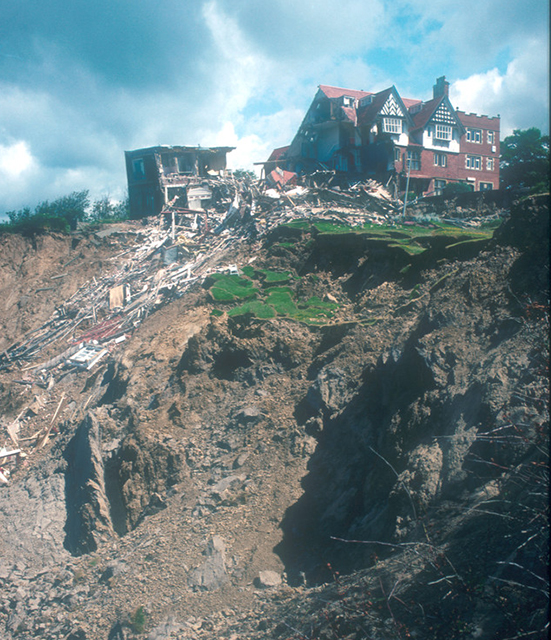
(82, 81)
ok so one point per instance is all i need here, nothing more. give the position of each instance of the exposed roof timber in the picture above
(179, 149)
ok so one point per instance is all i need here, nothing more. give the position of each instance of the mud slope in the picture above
(382, 475)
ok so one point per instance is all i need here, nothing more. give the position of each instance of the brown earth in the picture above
(209, 450)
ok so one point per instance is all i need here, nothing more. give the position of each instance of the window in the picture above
(414, 160)
(443, 132)
(439, 187)
(474, 135)
(440, 160)
(490, 164)
(491, 137)
(473, 162)
(347, 101)
(138, 169)
(185, 164)
(397, 154)
(392, 125)
(486, 186)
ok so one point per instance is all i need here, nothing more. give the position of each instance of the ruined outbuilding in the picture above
(157, 175)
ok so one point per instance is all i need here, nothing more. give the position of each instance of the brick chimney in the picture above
(441, 88)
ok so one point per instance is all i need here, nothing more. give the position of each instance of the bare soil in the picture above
(390, 466)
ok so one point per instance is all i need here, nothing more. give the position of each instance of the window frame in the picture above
(490, 164)
(491, 137)
(439, 185)
(413, 160)
(473, 162)
(473, 134)
(393, 125)
(139, 174)
(443, 132)
(440, 160)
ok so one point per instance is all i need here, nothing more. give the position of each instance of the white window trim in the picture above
(392, 125)
(413, 159)
(439, 185)
(471, 162)
(472, 134)
(490, 164)
(443, 132)
(491, 137)
(440, 160)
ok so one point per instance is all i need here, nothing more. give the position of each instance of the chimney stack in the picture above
(441, 88)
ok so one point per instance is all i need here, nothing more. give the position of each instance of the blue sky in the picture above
(82, 81)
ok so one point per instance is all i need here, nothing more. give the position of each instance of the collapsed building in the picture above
(424, 145)
(158, 175)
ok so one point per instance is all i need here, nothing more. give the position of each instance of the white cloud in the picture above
(83, 83)
(15, 160)
(520, 95)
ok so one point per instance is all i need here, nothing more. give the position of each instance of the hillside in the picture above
(301, 428)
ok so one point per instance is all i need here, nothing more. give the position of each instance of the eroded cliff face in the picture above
(391, 465)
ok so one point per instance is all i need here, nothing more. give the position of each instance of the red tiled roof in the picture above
(282, 177)
(410, 102)
(350, 114)
(368, 113)
(337, 92)
(421, 118)
(277, 153)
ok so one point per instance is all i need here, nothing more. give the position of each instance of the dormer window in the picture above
(392, 125)
(347, 101)
(443, 132)
(366, 100)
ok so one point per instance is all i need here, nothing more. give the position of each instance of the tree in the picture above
(105, 209)
(244, 174)
(71, 208)
(455, 188)
(525, 160)
(61, 214)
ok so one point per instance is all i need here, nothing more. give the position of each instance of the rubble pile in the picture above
(171, 468)
(181, 247)
(170, 253)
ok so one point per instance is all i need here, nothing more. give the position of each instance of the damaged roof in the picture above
(179, 149)
(338, 92)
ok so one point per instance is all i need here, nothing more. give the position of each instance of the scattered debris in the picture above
(181, 246)
(87, 357)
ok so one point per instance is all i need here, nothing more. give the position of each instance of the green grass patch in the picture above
(256, 308)
(281, 299)
(325, 226)
(470, 241)
(298, 224)
(138, 620)
(273, 277)
(227, 288)
(248, 271)
(315, 310)
(409, 248)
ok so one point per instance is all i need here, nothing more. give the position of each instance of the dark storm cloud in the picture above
(120, 42)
